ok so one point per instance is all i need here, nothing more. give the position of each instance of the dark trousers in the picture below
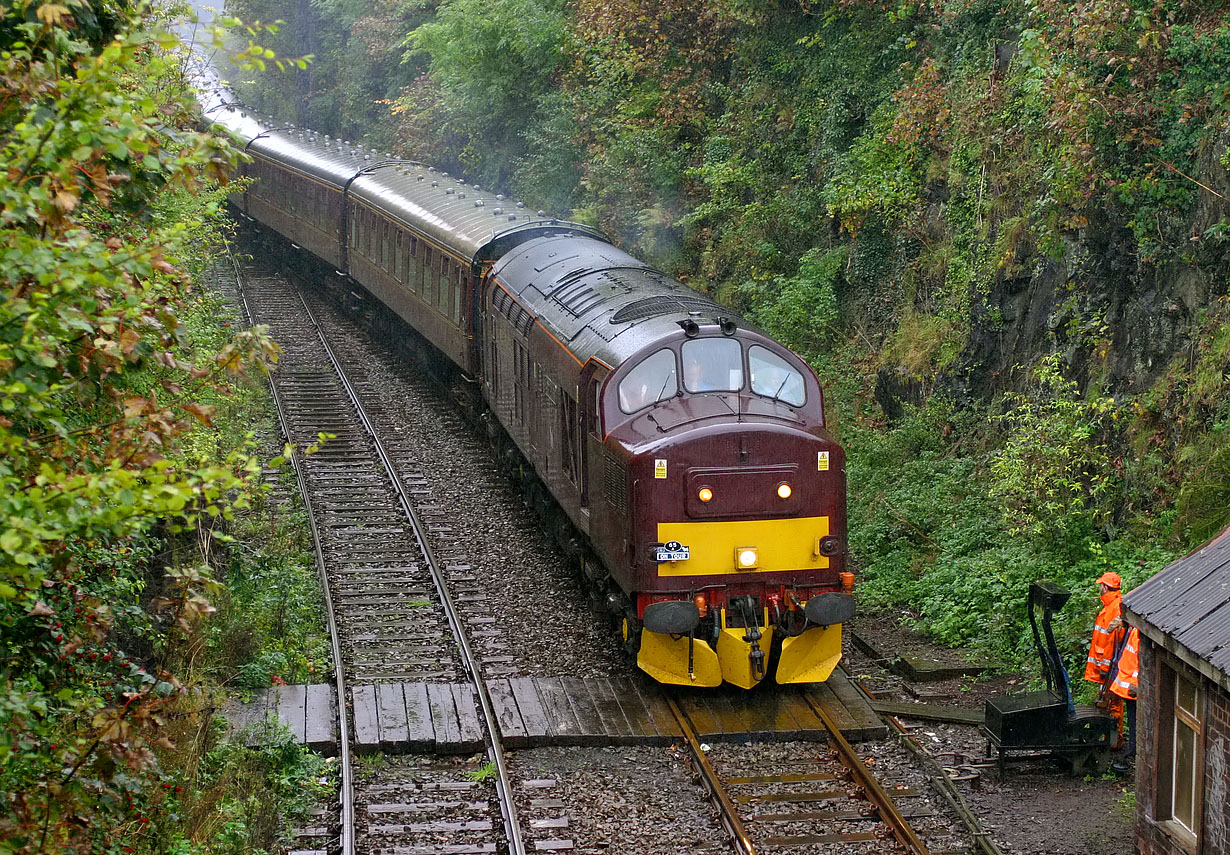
(1129, 721)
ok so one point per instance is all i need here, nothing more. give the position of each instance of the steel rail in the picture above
(942, 782)
(495, 751)
(346, 793)
(889, 812)
(726, 808)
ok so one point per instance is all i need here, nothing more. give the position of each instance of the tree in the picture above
(495, 64)
(105, 195)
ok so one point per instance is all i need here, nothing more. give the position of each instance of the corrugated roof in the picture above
(1186, 608)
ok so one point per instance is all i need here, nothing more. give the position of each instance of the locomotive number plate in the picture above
(673, 551)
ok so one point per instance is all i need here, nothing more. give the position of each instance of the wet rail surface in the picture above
(391, 607)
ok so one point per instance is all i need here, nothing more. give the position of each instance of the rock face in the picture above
(1119, 321)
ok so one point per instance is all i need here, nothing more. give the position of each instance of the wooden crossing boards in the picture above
(308, 712)
(572, 711)
(536, 711)
(439, 718)
(442, 718)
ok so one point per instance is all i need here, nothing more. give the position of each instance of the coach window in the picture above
(462, 292)
(774, 377)
(712, 365)
(442, 284)
(411, 276)
(446, 289)
(654, 380)
(428, 277)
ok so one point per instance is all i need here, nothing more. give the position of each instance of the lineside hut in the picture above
(1183, 713)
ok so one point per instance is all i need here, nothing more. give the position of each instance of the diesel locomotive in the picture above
(685, 448)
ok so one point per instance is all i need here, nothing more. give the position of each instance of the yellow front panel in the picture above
(810, 657)
(782, 544)
(678, 660)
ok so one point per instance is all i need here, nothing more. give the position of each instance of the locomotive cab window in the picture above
(774, 377)
(652, 381)
(712, 365)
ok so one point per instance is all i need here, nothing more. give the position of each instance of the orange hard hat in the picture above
(1110, 580)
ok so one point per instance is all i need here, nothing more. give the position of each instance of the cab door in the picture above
(590, 427)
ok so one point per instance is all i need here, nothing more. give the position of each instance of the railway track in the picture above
(392, 614)
(800, 801)
(401, 584)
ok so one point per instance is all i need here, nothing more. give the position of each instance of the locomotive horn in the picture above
(690, 328)
(727, 326)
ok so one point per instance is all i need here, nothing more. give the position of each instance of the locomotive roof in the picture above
(1186, 609)
(598, 300)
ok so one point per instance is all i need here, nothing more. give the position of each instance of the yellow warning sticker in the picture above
(659, 468)
(822, 461)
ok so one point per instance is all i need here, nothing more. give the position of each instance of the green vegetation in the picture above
(126, 473)
(483, 773)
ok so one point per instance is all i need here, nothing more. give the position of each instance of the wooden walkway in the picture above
(442, 718)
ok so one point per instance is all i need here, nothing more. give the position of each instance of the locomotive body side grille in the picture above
(616, 484)
(521, 320)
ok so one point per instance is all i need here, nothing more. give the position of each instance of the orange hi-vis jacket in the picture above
(1102, 647)
(1128, 675)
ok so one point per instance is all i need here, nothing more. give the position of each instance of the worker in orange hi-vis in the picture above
(1124, 678)
(1108, 635)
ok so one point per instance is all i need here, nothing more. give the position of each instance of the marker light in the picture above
(745, 557)
(783, 490)
(705, 494)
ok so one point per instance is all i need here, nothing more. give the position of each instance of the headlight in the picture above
(704, 494)
(746, 557)
(783, 490)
